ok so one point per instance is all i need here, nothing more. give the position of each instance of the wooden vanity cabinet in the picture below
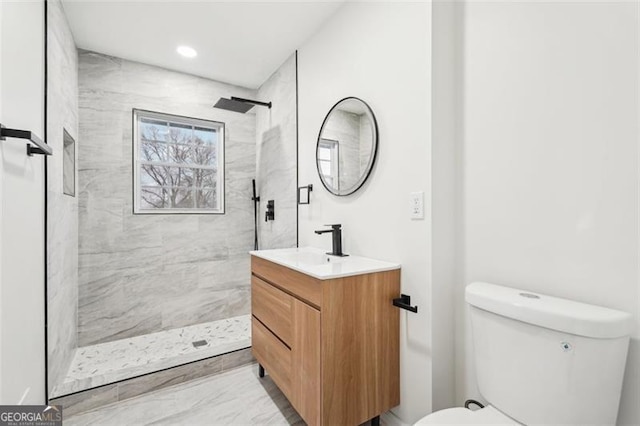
(331, 346)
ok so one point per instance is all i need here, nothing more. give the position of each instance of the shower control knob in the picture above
(271, 211)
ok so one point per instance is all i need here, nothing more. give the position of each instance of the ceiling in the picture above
(237, 42)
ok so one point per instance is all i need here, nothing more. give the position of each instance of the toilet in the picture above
(542, 360)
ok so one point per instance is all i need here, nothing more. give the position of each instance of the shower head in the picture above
(231, 105)
(240, 105)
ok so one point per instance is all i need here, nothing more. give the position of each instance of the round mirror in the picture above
(347, 146)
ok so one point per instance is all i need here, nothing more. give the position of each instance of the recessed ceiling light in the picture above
(187, 52)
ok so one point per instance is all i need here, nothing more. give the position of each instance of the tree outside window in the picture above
(179, 164)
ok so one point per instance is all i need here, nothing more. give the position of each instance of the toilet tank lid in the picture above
(551, 312)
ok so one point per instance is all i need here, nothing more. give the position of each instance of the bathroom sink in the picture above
(318, 264)
(311, 258)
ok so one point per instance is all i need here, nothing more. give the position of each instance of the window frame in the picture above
(334, 151)
(137, 114)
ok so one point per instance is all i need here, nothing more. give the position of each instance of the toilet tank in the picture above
(545, 360)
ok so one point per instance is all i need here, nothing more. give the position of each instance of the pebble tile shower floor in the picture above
(110, 362)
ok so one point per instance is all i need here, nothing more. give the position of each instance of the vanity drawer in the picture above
(272, 354)
(273, 307)
(293, 282)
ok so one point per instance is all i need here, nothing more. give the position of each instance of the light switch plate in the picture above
(416, 205)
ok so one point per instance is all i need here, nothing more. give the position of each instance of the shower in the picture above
(153, 277)
(240, 105)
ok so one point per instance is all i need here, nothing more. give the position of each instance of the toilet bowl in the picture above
(567, 356)
(463, 416)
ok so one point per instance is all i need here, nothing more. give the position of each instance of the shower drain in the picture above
(199, 343)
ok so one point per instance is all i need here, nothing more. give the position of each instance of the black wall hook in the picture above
(404, 302)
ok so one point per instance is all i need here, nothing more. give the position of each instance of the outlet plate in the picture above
(416, 205)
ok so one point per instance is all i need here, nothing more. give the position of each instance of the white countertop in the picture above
(316, 263)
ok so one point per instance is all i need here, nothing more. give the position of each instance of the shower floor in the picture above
(110, 362)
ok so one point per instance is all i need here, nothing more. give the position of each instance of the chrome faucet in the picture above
(336, 231)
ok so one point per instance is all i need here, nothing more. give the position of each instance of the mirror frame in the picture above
(375, 141)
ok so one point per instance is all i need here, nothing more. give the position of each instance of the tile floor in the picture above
(236, 397)
(109, 362)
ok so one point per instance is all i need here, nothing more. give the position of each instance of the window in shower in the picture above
(178, 164)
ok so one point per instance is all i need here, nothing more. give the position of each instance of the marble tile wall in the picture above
(62, 210)
(140, 274)
(276, 167)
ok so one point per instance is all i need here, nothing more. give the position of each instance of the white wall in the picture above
(445, 187)
(550, 159)
(22, 195)
(380, 52)
(1, 215)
